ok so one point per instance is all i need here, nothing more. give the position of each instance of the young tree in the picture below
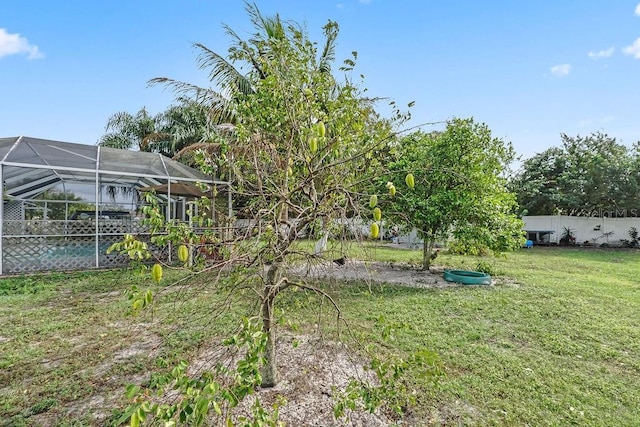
(302, 140)
(457, 188)
(301, 144)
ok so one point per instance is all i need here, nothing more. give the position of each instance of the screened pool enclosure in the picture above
(64, 204)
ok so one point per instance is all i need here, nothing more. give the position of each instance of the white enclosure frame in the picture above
(30, 166)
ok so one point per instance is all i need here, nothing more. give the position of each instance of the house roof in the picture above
(32, 165)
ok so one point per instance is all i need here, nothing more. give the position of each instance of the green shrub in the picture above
(486, 267)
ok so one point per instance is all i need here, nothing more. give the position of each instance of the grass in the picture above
(556, 342)
(561, 347)
(65, 338)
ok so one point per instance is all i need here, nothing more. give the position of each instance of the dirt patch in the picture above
(310, 373)
(376, 272)
(310, 370)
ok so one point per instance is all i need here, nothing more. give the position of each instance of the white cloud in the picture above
(14, 44)
(601, 53)
(597, 122)
(608, 118)
(638, 9)
(633, 50)
(561, 70)
(600, 121)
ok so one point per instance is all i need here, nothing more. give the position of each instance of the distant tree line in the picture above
(587, 176)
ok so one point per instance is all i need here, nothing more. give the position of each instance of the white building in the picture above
(593, 230)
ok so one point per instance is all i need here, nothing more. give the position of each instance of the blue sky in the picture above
(530, 70)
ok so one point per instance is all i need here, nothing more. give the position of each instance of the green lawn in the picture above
(556, 342)
(560, 347)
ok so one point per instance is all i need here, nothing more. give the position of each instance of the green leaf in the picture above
(216, 407)
(131, 391)
(126, 415)
(142, 415)
(202, 405)
(135, 420)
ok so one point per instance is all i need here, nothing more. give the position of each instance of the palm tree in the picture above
(180, 126)
(130, 131)
(228, 81)
(167, 133)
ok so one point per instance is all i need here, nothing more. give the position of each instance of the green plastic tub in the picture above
(467, 277)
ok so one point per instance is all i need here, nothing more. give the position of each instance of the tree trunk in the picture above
(426, 254)
(270, 369)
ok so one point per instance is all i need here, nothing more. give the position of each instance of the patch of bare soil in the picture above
(311, 370)
(375, 272)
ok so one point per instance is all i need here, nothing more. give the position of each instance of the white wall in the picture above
(584, 228)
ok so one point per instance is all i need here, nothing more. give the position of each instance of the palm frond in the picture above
(118, 120)
(204, 146)
(219, 105)
(271, 26)
(156, 142)
(114, 140)
(245, 52)
(329, 50)
(183, 89)
(222, 72)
